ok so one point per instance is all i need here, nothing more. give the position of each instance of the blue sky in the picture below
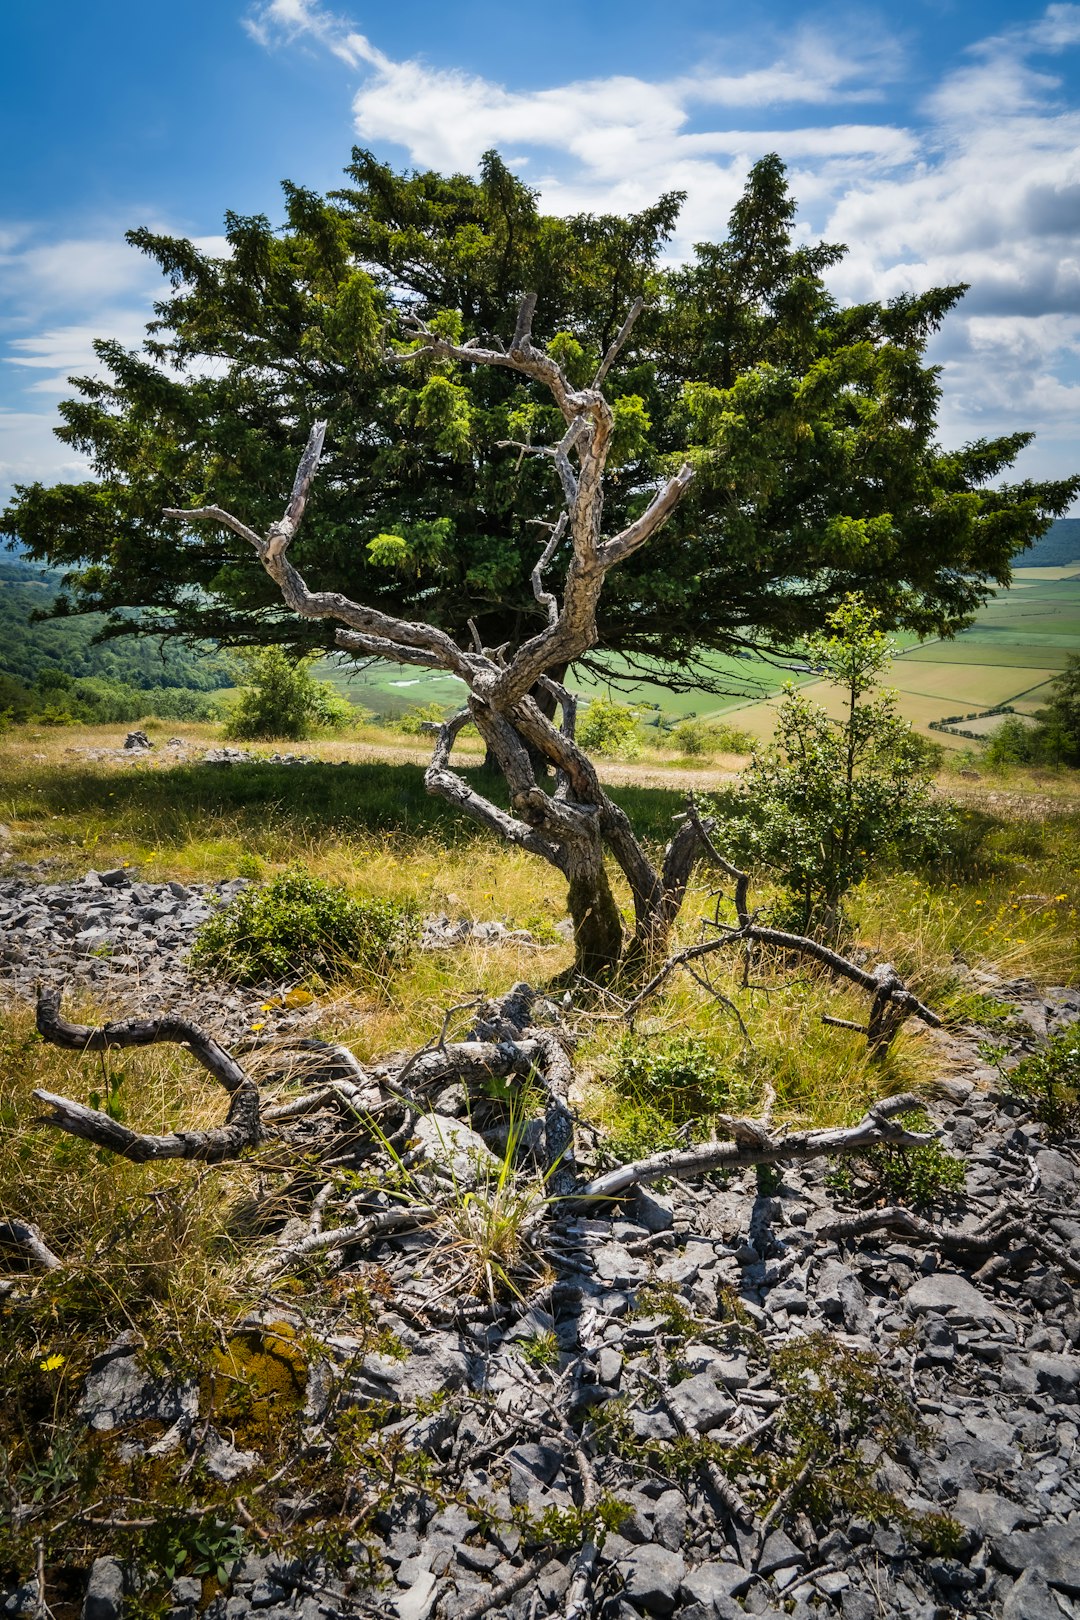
(940, 141)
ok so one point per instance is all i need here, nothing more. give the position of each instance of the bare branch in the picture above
(217, 514)
(761, 1146)
(655, 514)
(393, 651)
(523, 329)
(24, 1235)
(620, 338)
(305, 475)
(136, 1032)
(241, 1130)
(546, 599)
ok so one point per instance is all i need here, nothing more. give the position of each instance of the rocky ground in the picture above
(127, 940)
(715, 1401)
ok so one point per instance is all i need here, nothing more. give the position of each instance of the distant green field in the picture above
(1019, 640)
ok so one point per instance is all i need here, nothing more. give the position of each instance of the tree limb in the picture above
(24, 1235)
(135, 1032)
(762, 1146)
(241, 1130)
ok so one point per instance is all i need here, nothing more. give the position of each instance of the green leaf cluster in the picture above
(828, 798)
(1048, 1083)
(281, 699)
(299, 926)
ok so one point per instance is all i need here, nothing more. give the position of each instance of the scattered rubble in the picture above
(121, 936)
(670, 1316)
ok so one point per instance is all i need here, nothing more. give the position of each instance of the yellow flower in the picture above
(51, 1363)
(978, 902)
(1061, 897)
(258, 1026)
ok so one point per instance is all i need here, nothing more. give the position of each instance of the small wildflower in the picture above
(51, 1363)
(258, 1026)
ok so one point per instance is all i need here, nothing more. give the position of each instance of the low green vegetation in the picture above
(924, 1177)
(1048, 1083)
(609, 729)
(301, 926)
(828, 800)
(279, 698)
(1053, 738)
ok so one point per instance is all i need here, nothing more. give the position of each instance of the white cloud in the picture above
(29, 450)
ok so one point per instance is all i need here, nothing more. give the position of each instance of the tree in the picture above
(574, 824)
(281, 699)
(811, 427)
(1054, 736)
(827, 798)
(1059, 723)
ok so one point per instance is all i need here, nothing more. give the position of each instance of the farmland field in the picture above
(1019, 642)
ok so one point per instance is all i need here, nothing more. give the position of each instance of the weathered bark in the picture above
(754, 1143)
(598, 929)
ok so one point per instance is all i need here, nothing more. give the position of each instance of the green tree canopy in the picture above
(811, 425)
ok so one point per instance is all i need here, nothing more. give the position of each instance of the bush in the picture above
(281, 701)
(299, 926)
(415, 719)
(921, 1176)
(681, 1075)
(829, 798)
(697, 737)
(1049, 1084)
(609, 729)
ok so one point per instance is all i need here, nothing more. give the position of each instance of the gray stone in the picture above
(1059, 1376)
(1052, 1552)
(989, 1513)
(104, 1599)
(617, 1267)
(653, 1212)
(780, 1552)
(652, 1577)
(1057, 1174)
(712, 1584)
(700, 1404)
(186, 1590)
(609, 1364)
(224, 1461)
(1031, 1599)
(947, 1294)
(669, 1520)
(118, 1392)
(652, 1423)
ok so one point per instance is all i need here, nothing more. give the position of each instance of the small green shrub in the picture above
(414, 720)
(923, 1177)
(1048, 1083)
(696, 738)
(638, 1130)
(682, 1076)
(301, 926)
(609, 729)
(280, 699)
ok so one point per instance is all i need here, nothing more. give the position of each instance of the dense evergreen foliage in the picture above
(1054, 738)
(813, 426)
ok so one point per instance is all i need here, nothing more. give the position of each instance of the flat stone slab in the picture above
(946, 1294)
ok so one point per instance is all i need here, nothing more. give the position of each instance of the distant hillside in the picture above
(68, 644)
(1057, 548)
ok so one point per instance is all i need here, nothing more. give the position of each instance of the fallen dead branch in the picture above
(1003, 1228)
(891, 1004)
(753, 1143)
